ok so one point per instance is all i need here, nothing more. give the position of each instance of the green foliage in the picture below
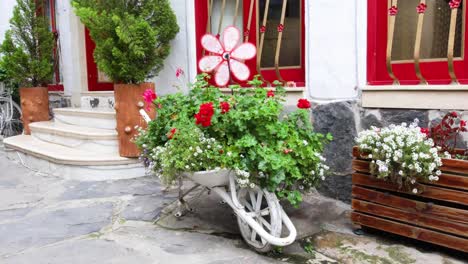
(132, 36)
(28, 46)
(264, 146)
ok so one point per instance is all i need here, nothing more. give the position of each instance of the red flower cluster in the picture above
(205, 114)
(225, 107)
(171, 133)
(262, 29)
(303, 103)
(393, 11)
(454, 4)
(446, 133)
(421, 8)
(149, 96)
(270, 93)
(246, 33)
(425, 130)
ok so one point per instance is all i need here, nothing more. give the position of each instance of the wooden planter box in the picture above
(438, 215)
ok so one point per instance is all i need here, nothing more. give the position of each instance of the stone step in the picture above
(102, 118)
(70, 163)
(77, 137)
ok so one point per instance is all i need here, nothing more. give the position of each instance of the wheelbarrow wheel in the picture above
(265, 209)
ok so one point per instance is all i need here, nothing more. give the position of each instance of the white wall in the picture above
(6, 7)
(182, 51)
(335, 48)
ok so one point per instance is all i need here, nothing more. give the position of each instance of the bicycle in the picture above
(10, 114)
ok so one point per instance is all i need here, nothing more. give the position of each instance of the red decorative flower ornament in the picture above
(421, 8)
(204, 115)
(227, 56)
(270, 93)
(262, 29)
(454, 4)
(393, 11)
(149, 96)
(303, 104)
(280, 28)
(225, 107)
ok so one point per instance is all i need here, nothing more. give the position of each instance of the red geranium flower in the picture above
(270, 93)
(425, 130)
(171, 133)
(463, 123)
(303, 103)
(225, 107)
(280, 28)
(262, 29)
(454, 114)
(149, 96)
(204, 115)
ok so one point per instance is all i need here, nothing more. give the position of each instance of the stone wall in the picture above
(344, 120)
(58, 100)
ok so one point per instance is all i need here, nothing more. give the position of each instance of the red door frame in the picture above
(201, 20)
(434, 72)
(93, 75)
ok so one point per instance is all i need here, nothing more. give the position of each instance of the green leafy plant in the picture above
(132, 37)
(28, 46)
(261, 144)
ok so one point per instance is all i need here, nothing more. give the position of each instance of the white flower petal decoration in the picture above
(222, 74)
(209, 63)
(226, 56)
(212, 44)
(231, 36)
(245, 51)
(240, 70)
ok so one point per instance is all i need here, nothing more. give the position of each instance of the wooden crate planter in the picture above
(438, 215)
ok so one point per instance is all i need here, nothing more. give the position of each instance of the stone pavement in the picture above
(45, 219)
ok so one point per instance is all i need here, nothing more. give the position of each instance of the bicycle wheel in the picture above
(10, 118)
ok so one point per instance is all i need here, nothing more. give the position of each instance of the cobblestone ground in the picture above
(46, 219)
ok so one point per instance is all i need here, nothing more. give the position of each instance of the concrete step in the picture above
(77, 137)
(70, 163)
(102, 118)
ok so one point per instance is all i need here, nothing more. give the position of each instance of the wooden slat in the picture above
(411, 231)
(432, 192)
(409, 205)
(418, 219)
(446, 179)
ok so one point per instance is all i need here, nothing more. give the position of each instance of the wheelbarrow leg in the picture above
(182, 206)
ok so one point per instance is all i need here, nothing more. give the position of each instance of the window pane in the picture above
(291, 41)
(227, 16)
(435, 30)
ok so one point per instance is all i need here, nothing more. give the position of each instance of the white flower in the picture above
(370, 156)
(438, 172)
(229, 154)
(305, 142)
(415, 191)
(400, 172)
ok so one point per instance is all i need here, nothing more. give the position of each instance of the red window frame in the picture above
(435, 72)
(57, 86)
(296, 75)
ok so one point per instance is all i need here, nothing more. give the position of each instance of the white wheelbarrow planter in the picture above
(259, 213)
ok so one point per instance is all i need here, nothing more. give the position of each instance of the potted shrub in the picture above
(27, 59)
(132, 40)
(406, 182)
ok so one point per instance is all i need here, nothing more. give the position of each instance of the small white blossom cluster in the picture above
(321, 168)
(243, 179)
(401, 150)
